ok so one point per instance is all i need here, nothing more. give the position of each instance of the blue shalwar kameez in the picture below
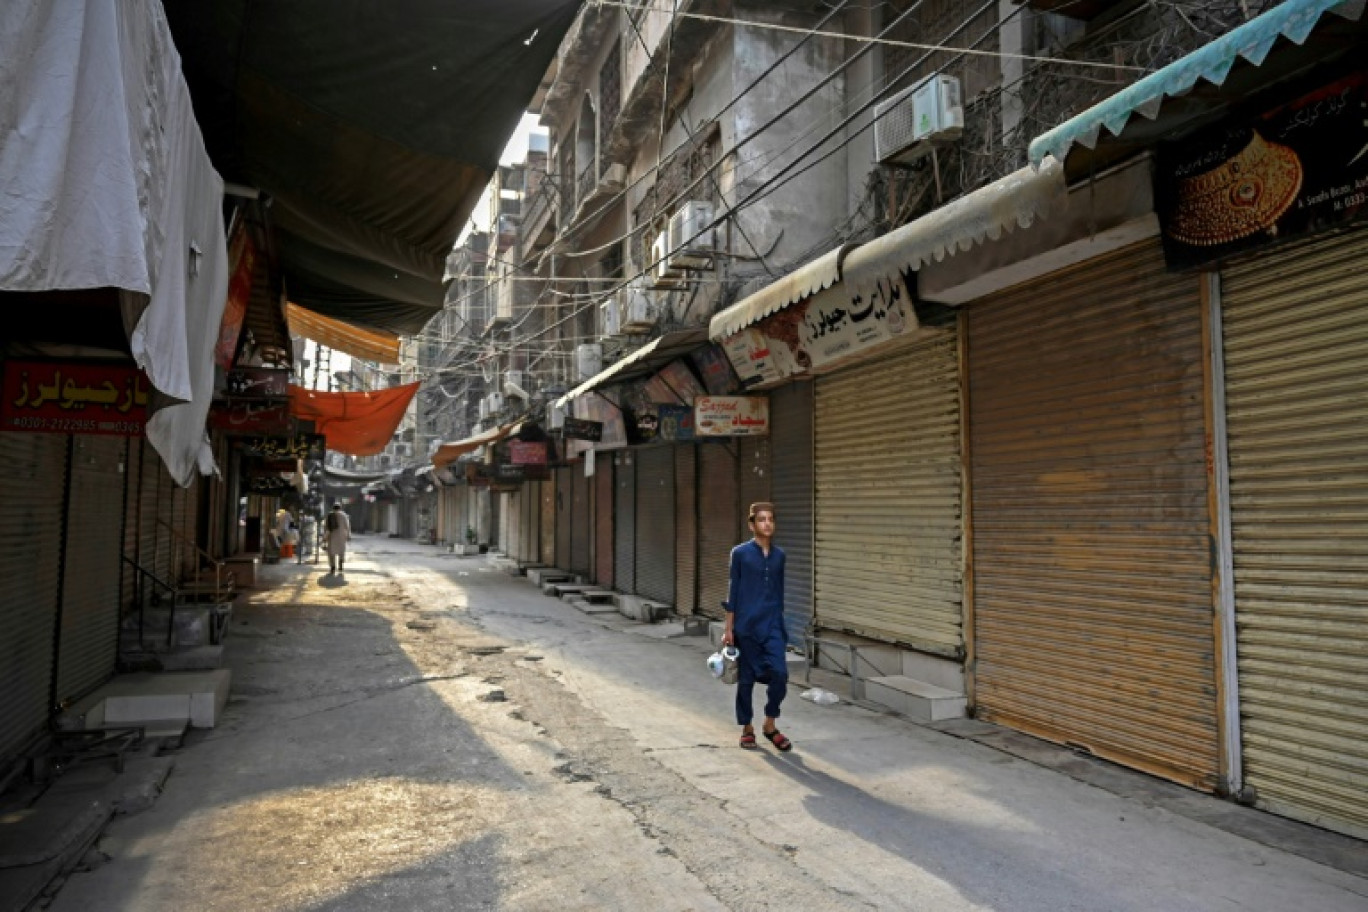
(756, 598)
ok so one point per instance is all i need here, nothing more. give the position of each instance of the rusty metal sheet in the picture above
(1093, 603)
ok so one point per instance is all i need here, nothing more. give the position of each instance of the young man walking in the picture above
(755, 625)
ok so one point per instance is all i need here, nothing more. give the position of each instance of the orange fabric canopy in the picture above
(366, 344)
(448, 453)
(358, 424)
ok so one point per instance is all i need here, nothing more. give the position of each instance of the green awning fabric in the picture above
(1174, 98)
(373, 128)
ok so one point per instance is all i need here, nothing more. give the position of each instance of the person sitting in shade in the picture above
(755, 625)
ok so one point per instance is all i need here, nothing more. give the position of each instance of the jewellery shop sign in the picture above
(65, 398)
(1291, 171)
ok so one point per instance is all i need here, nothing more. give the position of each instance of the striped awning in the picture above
(1294, 20)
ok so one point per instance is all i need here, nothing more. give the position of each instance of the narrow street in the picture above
(431, 733)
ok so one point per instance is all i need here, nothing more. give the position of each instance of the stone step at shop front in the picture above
(917, 700)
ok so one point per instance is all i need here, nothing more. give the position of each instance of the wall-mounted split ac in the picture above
(690, 236)
(588, 359)
(639, 307)
(912, 123)
(610, 316)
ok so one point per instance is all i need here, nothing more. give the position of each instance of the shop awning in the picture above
(807, 280)
(358, 424)
(1176, 91)
(1013, 202)
(365, 344)
(448, 453)
(651, 356)
(372, 127)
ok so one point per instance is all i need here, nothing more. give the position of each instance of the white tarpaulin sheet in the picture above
(105, 182)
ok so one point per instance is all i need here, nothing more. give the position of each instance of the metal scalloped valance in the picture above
(803, 282)
(1014, 201)
(1293, 20)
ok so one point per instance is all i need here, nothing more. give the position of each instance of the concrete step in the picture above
(194, 697)
(592, 607)
(598, 596)
(540, 576)
(640, 609)
(915, 699)
(560, 590)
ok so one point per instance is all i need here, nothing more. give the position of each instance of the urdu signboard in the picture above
(68, 398)
(731, 416)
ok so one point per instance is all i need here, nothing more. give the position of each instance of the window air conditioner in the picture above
(588, 359)
(639, 308)
(910, 124)
(690, 236)
(496, 404)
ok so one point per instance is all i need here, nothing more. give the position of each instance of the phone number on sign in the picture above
(73, 425)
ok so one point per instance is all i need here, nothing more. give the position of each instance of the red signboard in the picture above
(68, 398)
(243, 253)
(522, 452)
(251, 417)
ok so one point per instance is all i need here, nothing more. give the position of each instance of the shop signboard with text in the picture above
(1250, 182)
(70, 398)
(731, 416)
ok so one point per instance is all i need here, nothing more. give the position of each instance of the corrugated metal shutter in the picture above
(32, 488)
(753, 480)
(655, 506)
(153, 540)
(548, 521)
(131, 523)
(686, 529)
(531, 515)
(603, 525)
(88, 641)
(1093, 600)
(1296, 382)
(513, 525)
(582, 530)
(624, 524)
(718, 508)
(792, 485)
(889, 538)
(565, 507)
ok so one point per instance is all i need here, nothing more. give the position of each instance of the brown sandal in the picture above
(748, 741)
(777, 738)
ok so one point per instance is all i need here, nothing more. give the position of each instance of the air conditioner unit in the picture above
(911, 123)
(690, 236)
(639, 308)
(483, 410)
(588, 359)
(610, 316)
(513, 385)
(663, 275)
(555, 417)
(496, 404)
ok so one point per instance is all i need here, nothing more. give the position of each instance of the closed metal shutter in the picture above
(87, 645)
(548, 521)
(131, 524)
(889, 552)
(1093, 596)
(154, 541)
(32, 489)
(565, 508)
(655, 506)
(792, 484)
(624, 524)
(686, 529)
(753, 481)
(718, 508)
(1296, 383)
(513, 524)
(603, 524)
(582, 530)
(531, 516)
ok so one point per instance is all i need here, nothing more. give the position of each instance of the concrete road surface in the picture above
(428, 733)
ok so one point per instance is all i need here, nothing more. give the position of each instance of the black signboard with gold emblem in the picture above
(1294, 170)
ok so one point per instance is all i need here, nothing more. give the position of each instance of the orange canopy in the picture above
(358, 424)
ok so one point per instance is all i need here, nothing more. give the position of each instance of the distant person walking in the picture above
(755, 624)
(337, 532)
